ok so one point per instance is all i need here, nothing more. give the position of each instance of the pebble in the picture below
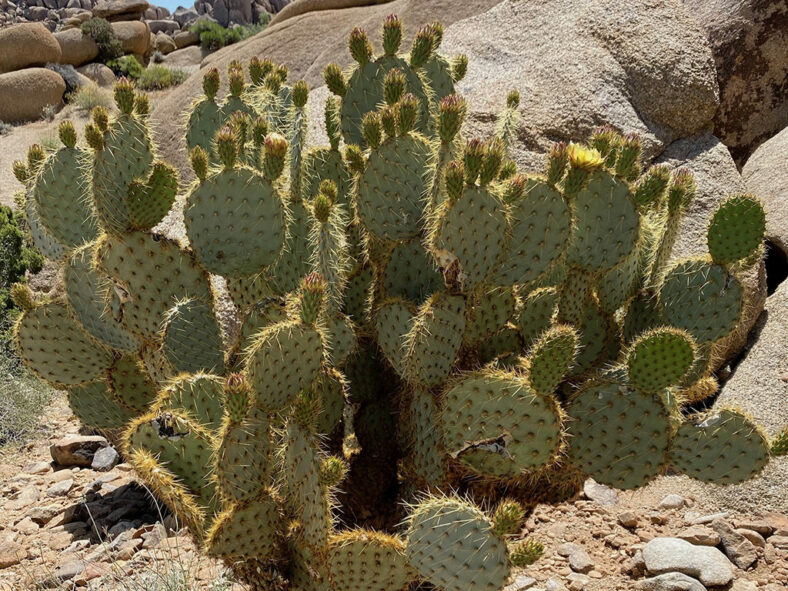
(599, 493)
(739, 549)
(37, 468)
(780, 542)
(11, 553)
(61, 488)
(579, 560)
(628, 519)
(709, 565)
(672, 502)
(743, 585)
(699, 536)
(521, 583)
(670, 582)
(552, 584)
(105, 459)
(752, 535)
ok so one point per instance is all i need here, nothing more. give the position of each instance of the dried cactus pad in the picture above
(451, 544)
(724, 447)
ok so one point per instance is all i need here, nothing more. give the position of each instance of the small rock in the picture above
(579, 560)
(703, 519)
(61, 475)
(105, 459)
(738, 548)
(577, 581)
(753, 536)
(780, 542)
(61, 488)
(128, 549)
(37, 468)
(672, 502)
(76, 450)
(154, 537)
(27, 527)
(28, 495)
(743, 585)
(709, 565)
(11, 553)
(700, 536)
(604, 495)
(759, 526)
(775, 520)
(68, 570)
(43, 515)
(521, 583)
(552, 584)
(670, 582)
(628, 519)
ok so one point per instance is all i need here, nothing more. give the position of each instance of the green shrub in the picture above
(127, 66)
(5, 128)
(22, 397)
(101, 32)
(214, 36)
(156, 77)
(88, 96)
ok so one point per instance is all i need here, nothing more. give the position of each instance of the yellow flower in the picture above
(583, 157)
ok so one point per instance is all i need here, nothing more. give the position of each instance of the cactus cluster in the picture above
(413, 316)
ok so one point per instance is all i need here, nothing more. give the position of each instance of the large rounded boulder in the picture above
(25, 93)
(76, 47)
(25, 45)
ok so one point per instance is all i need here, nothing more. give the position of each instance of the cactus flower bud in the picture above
(407, 113)
(508, 518)
(210, 83)
(388, 119)
(455, 180)
(100, 117)
(557, 160)
(35, 157)
(459, 67)
(22, 296)
(281, 72)
(311, 297)
(237, 82)
(392, 34)
(451, 115)
(393, 86)
(582, 162)
(274, 158)
(21, 171)
(605, 140)
(239, 121)
(300, 94)
(370, 129)
(354, 158)
(681, 191)
(124, 95)
(142, 104)
(226, 146)
(198, 158)
(335, 79)
(94, 137)
(508, 169)
(492, 161)
(359, 45)
(321, 207)
(259, 131)
(513, 99)
(421, 48)
(273, 83)
(526, 552)
(472, 159)
(329, 189)
(437, 35)
(332, 471)
(67, 134)
(651, 188)
(514, 189)
(628, 160)
(259, 69)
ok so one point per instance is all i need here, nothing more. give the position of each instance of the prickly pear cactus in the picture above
(401, 315)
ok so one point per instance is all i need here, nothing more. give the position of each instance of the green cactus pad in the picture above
(409, 272)
(198, 397)
(434, 339)
(423, 438)
(496, 425)
(470, 231)
(149, 202)
(94, 406)
(247, 292)
(340, 338)
(155, 273)
(242, 460)
(357, 291)
(235, 221)
(437, 72)
(305, 496)
(62, 199)
(489, 312)
(86, 293)
(365, 560)
(192, 338)
(540, 231)
(205, 120)
(451, 544)
(130, 384)
(393, 321)
(126, 156)
(156, 364)
(537, 313)
(392, 189)
(284, 360)
(551, 358)
(619, 284)
(736, 230)
(293, 264)
(660, 358)
(618, 436)
(643, 313)
(43, 240)
(181, 446)
(245, 529)
(724, 446)
(606, 223)
(702, 298)
(325, 164)
(53, 345)
(595, 335)
(331, 387)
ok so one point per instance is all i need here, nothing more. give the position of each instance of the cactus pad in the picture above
(245, 529)
(362, 560)
(537, 312)
(130, 384)
(242, 460)
(736, 229)
(551, 358)
(192, 338)
(659, 359)
(393, 321)
(94, 405)
(196, 396)
(409, 272)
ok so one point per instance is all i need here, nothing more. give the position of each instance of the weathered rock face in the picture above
(749, 39)
(709, 565)
(25, 45)
(134, 36)
(76, 47)
(766, 174)
(163, 43)
(98, 73)
(25, 93)
(120, 10)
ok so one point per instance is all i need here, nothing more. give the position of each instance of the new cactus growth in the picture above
(411, 315)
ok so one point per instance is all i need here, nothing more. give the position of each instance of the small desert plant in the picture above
(5, 128)
(90, 95)
(157, 57)
(101, 32)
(22, 396)
(127, 66)
(213, 36)
(156, 77)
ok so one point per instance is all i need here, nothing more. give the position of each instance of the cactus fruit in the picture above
(354, 328)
